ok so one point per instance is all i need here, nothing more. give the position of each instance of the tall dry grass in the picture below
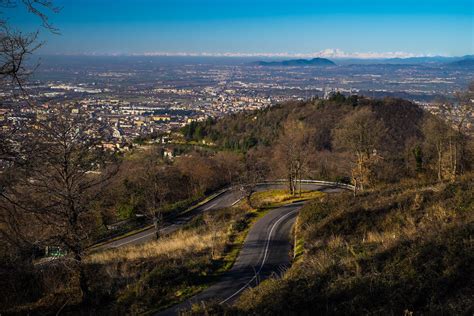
(177, 245)
(278, 196)
(388, 251)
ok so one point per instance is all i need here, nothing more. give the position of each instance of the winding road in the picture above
(266, 251)
(226, 199)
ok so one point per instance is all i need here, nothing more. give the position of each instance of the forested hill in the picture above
(400, 243)
(402, 121)
(319, 62)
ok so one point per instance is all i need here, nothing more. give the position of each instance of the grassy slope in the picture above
(145, 278)
(276, 198)
(176, 209)
(161, 273)
(393, 250)
(166, 284)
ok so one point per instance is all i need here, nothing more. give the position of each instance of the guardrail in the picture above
(216, 195)
(167, 217)
(330, 183)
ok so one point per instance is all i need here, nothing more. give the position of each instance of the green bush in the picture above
(126, 211)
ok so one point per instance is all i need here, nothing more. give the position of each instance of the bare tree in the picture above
(62, 169)
(230, 164)
(156, 188)
(160, 184)
(254, 172)
(361, 133)
(435, 132)
(202, 172)
(447, 136)
(293, 152)
(460, 116)
(17, 46)
(214, 226)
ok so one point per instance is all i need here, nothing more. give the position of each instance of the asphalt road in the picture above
(266, 252)
(226, 199)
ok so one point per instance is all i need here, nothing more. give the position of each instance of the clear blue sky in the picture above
(259, 26)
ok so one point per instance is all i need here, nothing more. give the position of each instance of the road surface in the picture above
(266, 251)
(224, 200)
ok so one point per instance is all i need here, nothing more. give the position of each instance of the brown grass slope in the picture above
(394, 250)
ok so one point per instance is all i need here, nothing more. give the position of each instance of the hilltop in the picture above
(467, 62)
(400, 246)
(246, 130)
(404, 231)
(322, 62)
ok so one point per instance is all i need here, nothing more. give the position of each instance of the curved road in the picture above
(226, 199)
(266, 251)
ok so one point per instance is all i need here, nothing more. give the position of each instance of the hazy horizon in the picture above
(320, 28)
(341, 56)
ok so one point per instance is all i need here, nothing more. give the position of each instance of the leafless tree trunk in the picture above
(361, 133)
(62, 169)
(457, 115)
(255, 171)
(293, 152)
(158, 182)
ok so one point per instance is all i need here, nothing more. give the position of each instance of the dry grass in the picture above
(273, 198)
(184, 242)
(157, 274)
(384, 252)
(335, 242)
(179, 244)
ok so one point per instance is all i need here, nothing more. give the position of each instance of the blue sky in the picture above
(259, 26)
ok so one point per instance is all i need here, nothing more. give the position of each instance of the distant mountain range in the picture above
(431, 61)
(421, 60)
(319, 62)
(462, 61)
(466, 62)
(405, 61)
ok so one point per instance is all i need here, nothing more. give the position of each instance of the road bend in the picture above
(265, 252)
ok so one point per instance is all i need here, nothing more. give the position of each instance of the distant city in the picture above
(139, 96)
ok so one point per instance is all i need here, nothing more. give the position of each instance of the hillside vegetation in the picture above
(243, 131)
(400, 241)
(133, 279)
(139, 279)
(370, 141)
(396, 250)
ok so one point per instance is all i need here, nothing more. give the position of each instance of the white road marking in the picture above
(264, 257)
(152, 233)
(132, 240)
(175, 224)
(304, 182)
(211, 206)
(240, 199)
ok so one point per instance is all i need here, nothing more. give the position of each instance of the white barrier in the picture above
(330, 183)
